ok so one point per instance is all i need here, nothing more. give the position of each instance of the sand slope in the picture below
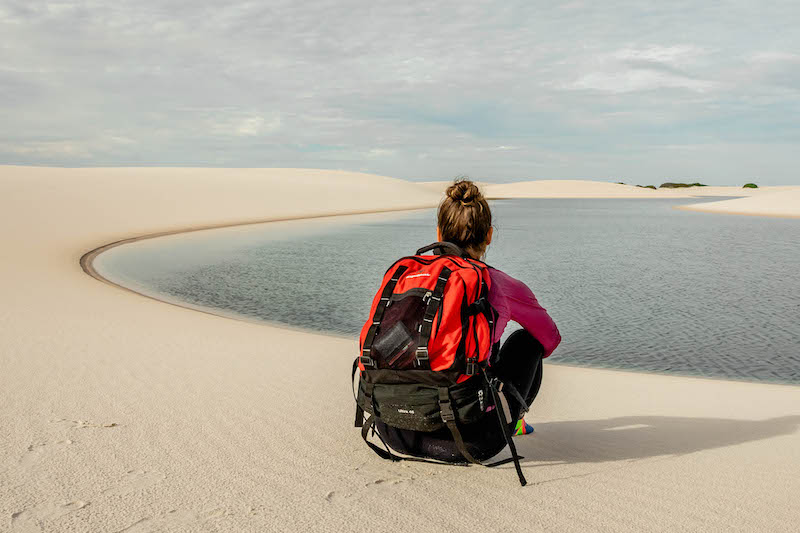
(781, 203)
(121, 413)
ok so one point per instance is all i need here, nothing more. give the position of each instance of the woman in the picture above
(464, 219)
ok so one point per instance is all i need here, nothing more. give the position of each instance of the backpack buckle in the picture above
(421, 355)
(445, 407)
(366, 360)
(471, 363)
(446, 410)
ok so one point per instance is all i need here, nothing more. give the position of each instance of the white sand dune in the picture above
(122, 413)
(599, 189)
(781, 203)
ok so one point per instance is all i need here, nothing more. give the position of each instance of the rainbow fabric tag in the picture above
(523, 428)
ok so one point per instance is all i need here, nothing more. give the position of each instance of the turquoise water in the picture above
(632, 284)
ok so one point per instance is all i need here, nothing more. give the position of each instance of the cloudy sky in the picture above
(421, 90)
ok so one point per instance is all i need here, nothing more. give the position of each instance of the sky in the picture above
(640, 92)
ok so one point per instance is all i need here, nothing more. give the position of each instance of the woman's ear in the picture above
(489, 236)
(438, 234)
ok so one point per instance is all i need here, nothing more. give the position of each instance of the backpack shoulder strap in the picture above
(386, 295)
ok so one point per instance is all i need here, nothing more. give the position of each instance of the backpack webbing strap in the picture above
(359, 421)
(449, 418)
(383, 454)
(386, 295)
(481, 305)
(502, 462)
(508, 387)
(421, 360)
(506, 429)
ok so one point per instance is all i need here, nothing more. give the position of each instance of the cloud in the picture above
(380, 152)
(512, 90)
(256, 125)
(645, 69)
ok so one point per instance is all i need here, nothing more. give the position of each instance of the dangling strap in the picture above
(508, 387)
(421, 361)
(383, 454)
(449, 418)
(504, 427)
(359, 422)
(386, 295)
(502, 462)
(440, 248)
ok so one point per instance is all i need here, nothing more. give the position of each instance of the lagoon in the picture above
(632, 284)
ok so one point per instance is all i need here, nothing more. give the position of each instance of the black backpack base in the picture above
(429, 401)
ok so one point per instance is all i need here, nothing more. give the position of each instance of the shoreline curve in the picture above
(86, 261)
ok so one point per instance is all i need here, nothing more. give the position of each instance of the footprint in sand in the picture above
(81, 424)
(38, 450)
(172, 518)
(32, 520)
(379, 484)
(390, 482)
(336, 496)
(134, 480)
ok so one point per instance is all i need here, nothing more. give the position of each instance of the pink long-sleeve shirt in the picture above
(513, 300)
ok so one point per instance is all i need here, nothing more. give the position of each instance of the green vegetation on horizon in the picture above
(671, 185)
(674, 185)
(641, 186)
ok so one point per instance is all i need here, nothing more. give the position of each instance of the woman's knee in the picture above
(520, 344)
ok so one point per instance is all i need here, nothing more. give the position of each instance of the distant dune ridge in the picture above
(782, 203)
(123, 413)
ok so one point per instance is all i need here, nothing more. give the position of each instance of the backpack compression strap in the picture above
(421, 360)
(386, 295)
(449, 418)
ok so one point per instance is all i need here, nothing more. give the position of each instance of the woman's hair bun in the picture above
(464, 217)
(464, 191)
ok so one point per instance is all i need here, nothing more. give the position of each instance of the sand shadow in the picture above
(639, 437)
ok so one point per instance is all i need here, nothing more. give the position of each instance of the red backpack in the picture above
(425, 349)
